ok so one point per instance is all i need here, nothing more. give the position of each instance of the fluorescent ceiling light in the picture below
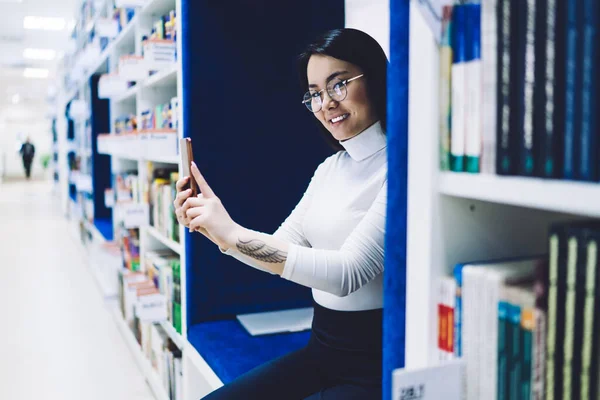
(36, 73)
(39, 54)
(44, 23)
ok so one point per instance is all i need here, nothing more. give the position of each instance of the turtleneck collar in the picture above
(366, 143)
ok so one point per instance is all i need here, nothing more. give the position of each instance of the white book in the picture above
(470, 331)
(489, 48)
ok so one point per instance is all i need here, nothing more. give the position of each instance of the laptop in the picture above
(270, 322)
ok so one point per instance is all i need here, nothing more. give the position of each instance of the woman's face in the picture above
(356, 112)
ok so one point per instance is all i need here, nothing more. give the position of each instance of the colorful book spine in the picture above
(474, 123)
(503, 356)
(591, 329)
(458, 312)
(515, 365)
(505, 164)
(573, 75)
(518, 44)
(526, 164)
(555, 313)
(445, 88)
(489, 49)
(528, 349)
(569, 320)
(587, 163)
(459, 89)
(541, 315)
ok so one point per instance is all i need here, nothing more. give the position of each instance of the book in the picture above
(540, 316)
(474, 72)
(496, 278)
(590, 353)
(572, 87)
(489, 49)
(556, 310)
(527, 142)
(543, 108)
(587, 167)
(528, 348)
(505, 147)
(446, 305)
(445, 87)
(459, 88)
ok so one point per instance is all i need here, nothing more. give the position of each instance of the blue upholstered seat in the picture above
(230, 351)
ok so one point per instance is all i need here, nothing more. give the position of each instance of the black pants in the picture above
(342, 360)
(27, 165)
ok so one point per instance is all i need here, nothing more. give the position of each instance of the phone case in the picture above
(187, 156)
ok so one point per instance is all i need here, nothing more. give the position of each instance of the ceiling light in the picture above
(39, 54)
(16, 98)
(44, 23)
(36, 73)
(11, 1)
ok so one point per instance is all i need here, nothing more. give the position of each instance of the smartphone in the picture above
(187, 156)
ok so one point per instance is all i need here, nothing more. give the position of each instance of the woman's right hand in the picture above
(182, 196)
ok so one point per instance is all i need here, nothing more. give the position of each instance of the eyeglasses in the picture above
(337, 91)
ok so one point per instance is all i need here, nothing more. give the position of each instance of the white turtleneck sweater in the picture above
(336, 232)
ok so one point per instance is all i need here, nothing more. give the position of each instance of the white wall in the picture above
(19, 121)
(372, 17)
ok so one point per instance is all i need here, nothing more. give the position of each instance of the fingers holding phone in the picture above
(183, 193)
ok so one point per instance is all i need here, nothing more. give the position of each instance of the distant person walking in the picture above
(27, 152)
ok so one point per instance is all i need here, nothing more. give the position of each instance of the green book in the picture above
(177, 320)
(503, 327)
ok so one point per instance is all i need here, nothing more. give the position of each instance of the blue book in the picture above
(587, 162)
(572, 86)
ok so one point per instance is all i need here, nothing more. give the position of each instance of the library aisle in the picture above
(58, 340)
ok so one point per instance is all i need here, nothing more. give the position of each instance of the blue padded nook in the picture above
(255, 143)
(394, 311)
(230, 351)
(258, 147)
(101, 168)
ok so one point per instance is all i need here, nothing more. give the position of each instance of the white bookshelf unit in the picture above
(133, 152)
(457, 217)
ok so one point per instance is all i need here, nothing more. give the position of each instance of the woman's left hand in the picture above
(208, 213)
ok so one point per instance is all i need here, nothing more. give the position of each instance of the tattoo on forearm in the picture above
(261, 251)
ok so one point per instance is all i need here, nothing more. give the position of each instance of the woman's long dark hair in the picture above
(360, 49)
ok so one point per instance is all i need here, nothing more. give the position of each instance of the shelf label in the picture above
(151, 308)
(135, 215)
(444, 381)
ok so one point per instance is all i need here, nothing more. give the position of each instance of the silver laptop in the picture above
(265, 323)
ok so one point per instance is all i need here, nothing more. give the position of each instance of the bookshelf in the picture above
(457, 217)
(553, 195)
(156, 235)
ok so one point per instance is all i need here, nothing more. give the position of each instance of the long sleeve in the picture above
(357, 262)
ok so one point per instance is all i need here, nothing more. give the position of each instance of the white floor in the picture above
(57, 338)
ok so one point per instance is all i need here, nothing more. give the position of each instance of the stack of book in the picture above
(162, 194)
(148, 298)
(518, 88)
(528, 327)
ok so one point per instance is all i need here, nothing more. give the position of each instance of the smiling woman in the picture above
(332, 242)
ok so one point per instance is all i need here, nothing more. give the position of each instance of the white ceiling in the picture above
(14, 39)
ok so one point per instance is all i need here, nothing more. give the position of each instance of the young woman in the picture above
(333, 240)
